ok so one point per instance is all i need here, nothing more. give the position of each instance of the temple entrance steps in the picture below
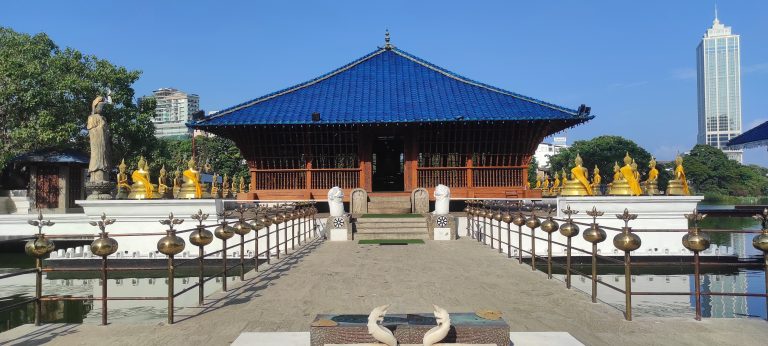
(407, 227)
(392, 204)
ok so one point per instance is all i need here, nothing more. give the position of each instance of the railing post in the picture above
(532, 223)
(103, 246)
(39, 248)
(627, 241)
(519, 220)
(549, 225)
(696, 242)
(242, 228)
(468, 213)
(264, 222)
(200, 238)
(506, 216)
(170, 245)
(224, 232)
(498, 217)
(594, 234)
(569, 230)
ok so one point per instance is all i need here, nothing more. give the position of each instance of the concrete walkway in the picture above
(460, 276)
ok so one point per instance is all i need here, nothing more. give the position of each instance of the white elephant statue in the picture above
(335, 201)
(442, 199)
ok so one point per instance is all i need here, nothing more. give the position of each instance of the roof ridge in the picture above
(295, 87)
(470, 81)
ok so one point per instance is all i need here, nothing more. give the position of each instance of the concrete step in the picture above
(402, 204)
(389, 198)
(386, 220)
(388, 210)
(404, 235)
(389, 227)
(392, 230)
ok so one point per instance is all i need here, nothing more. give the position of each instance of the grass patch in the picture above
(390, 241)
(390, 216)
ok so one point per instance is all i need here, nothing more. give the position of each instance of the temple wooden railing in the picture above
(471, 176)
(304, 179)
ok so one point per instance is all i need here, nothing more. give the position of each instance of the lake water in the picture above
(669, 278)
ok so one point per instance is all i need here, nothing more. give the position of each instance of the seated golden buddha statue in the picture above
(628, 184)
(679, 185)
(241, 185)
(555, 189)
(651, 186)
(596, 181)
(546, 186)
(163, 190)
(538, 182)
(177, 181)
(191, 187)
(578, 185)
(142, 188)
(215, 191)
(226, 191)
(123, 188)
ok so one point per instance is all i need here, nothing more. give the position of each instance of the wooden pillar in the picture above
(411, 154)
(470, 176)
(365, 156)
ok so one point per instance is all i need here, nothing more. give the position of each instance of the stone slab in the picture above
(442, 234)
(410, 329)
(338, 234)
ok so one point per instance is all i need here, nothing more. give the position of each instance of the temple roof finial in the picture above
(387, 45)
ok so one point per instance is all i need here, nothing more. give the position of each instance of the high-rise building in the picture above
(719, 88)
(174, 109)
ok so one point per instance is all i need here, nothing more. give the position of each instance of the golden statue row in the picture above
(185, 185)
(626, 181)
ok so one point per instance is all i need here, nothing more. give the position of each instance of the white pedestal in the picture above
(338, 234)
(442, 234)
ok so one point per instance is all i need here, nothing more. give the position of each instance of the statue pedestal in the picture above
(339, 228)
(99, 190)
(442, 227)
(466, 328)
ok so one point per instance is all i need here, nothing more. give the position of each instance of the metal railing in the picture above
(485, 219)
(295, 222)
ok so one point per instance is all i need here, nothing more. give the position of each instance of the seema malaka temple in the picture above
(390, 122)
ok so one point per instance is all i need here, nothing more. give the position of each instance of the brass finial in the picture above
(387, 45)
(626, 217)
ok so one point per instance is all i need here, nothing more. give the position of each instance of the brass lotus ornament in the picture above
(104, 245)
(171, 244)
(201, 236)
(40, 246)
(569, 229)
(626, 240)
(224, 231)
(549, 225)
(594, 234)
(694, 240)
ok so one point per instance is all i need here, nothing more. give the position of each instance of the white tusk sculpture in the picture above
(376, 330)
(437, 333)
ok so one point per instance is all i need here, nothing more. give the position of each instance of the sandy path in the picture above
(461, 276)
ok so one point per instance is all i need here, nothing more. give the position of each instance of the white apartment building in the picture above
(545, 150)
(174, 109)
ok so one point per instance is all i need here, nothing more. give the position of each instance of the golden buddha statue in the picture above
(545, 186)
(596, 181)
(651, 186)
(163, 191)
(141, 188)
(176, 182)
(628, 185)
(578, 185)
(538, 182)
(123, 188)
(225, 188)
(215, 192)
(191, 187)
(555, 189)
(679, 185)
(241, 185)
(616, 171)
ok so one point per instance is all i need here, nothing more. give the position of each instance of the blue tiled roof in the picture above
(386, 86)
(755, 137)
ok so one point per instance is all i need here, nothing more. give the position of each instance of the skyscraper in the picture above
(719, 88)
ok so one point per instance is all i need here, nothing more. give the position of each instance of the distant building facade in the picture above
(545, 150)
(719, 88)
(174, 109)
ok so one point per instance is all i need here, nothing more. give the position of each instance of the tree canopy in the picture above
(46, 94)
(605, 151)
(711, 172)
(220, 153)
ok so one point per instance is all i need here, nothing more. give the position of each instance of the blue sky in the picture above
(632, 62)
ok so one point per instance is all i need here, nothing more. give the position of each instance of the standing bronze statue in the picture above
(99, 186)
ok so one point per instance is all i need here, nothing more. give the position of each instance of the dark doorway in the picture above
(388, 161)
(47, 187)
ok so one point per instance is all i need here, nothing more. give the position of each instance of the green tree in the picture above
(46, 94)
(605, 151)
(220, 153)
(533, 167)
(711, 172)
